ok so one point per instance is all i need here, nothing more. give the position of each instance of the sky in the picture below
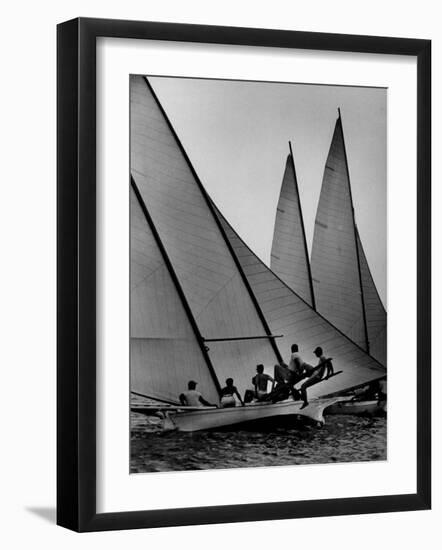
(236, 135)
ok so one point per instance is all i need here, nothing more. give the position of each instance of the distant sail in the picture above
(335, 263)
(164, 351)
(288, 314)
(289, 257)
(211, 281)
(374, 311)
(344, 289)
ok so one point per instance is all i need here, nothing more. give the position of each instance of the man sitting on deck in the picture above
(285, 381)
(260, 382)
(375, 390)
(282, 373)
(193, 398)
(314, 374)
(228, 395)
(296, 365)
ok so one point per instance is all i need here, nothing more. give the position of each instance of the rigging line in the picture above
(243, 338)
(376, 335)
(146, 277)
(217, 293)
(154, 398)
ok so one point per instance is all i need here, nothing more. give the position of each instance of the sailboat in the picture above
(194, 314)
(289, 315)
(338, 283)
(344, 288)
(167, 349)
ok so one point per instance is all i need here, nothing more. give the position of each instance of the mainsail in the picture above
(289, 256)
(214, 287)
(375, 313)
(344, 289)
(288, 314)
(164, 349)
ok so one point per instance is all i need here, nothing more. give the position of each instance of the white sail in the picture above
(289, 257)
(289, 315)
(375, 313)
(214, 288)
(335, 263)
(164, 351)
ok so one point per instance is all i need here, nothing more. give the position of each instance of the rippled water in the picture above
(342, 439)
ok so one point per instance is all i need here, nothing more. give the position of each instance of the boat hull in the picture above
(355, 407)
(219, 418)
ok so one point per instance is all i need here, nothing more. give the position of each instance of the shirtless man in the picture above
(314, 374)
(284, 380)
(228, 395)
(260, 382)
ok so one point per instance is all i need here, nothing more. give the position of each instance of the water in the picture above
(342, 439)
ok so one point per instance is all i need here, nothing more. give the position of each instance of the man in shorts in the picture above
(297, 365)
(228, 395)
(314, 374)
(260, 382)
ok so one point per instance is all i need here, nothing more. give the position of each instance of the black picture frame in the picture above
(77, 288)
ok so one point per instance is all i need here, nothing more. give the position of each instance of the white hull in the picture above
(355, 407)
(206, 419)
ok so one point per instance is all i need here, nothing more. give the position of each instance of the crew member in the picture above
(285, 381)
(228, 395)
(314, 374)
(297, 365)
(260, 382)
(193, 398)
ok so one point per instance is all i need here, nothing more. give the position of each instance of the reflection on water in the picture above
(342, 439)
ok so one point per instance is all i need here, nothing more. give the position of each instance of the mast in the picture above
(301, 217)
(364, 314)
